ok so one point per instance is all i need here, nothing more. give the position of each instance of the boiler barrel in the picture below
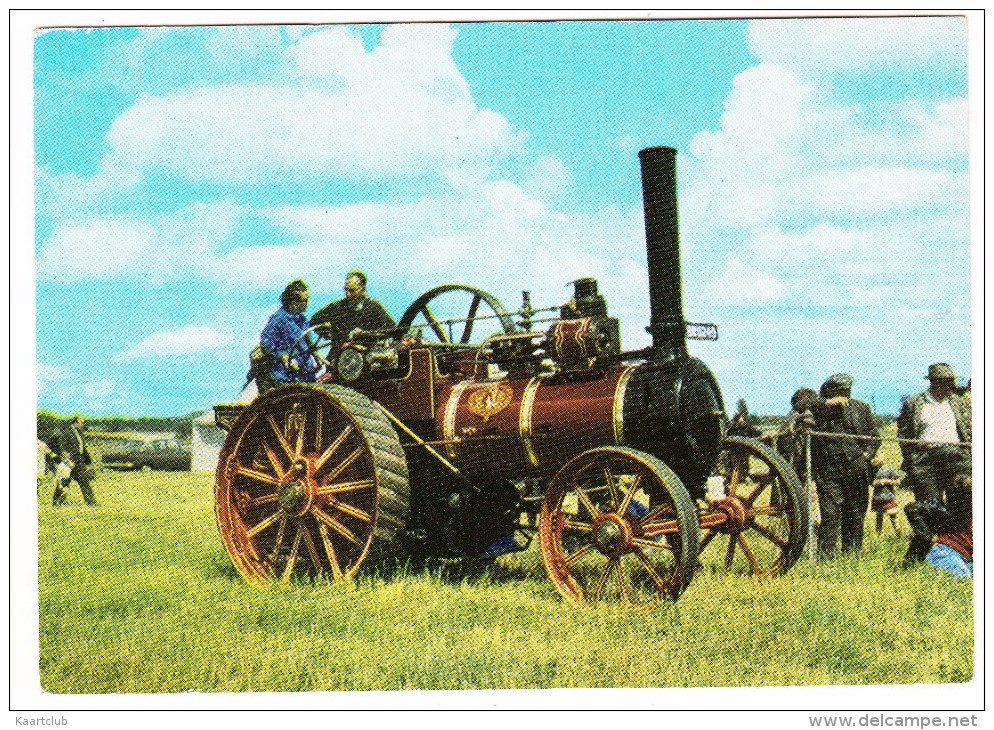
(529, 427)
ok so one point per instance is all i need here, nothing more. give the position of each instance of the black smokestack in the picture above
(662, 238)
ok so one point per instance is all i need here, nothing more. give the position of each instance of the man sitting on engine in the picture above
(357, 313)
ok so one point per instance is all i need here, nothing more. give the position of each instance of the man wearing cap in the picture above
(357, 312)
(942, 420)
(842, 465)
(936, 422)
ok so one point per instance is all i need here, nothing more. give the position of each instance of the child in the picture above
(885, 498)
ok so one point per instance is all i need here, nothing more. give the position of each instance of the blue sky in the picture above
(184, 175)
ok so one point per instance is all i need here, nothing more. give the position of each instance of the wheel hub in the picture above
(294, 495)
(611, 535)
(736, 514)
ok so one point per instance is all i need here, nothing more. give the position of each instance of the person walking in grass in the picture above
(74, 460)
(884, 502)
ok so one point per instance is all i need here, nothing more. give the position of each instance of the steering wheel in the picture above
(312, 344)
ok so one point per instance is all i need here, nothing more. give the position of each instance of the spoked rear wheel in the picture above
(758, 524)
(311, 480)
(617, 525)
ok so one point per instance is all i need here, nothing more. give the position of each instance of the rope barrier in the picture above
(892, 439)
(810, 484)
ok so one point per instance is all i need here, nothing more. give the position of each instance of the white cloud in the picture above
(64, 195)
(742, 284)
(188, 340)
(787, 152)
(760, 127)
(99, 389)
(99, 249)
(50, 376)
(364, 221)
(61, 386)
(240, 44)
(924, 132)
(815, 46)
(157, 249)
(403, 109)
(944, 128)
(874, 190)
(548, 178)
(824, 219)
(271, 267)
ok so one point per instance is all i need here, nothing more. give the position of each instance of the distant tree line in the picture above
(50, 423)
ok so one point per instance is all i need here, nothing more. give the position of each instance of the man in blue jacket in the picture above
(284, 328)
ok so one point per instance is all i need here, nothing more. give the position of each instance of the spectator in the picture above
(938, 422)
(842, 465)
(74, 464)
(943, 420)
(791, 436)
(742, 424)
(279, 362)
(884, 502)
(952, 525)
(358, 312)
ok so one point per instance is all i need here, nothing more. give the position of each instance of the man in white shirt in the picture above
(941, 421)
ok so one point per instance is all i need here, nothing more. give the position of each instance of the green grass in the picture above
(138, 595)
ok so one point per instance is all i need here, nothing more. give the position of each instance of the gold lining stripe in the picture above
(525, 419)
(618, 407)
(449, 423)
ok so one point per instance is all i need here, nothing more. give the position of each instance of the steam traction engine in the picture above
(428, 441)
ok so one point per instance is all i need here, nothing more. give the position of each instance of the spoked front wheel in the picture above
(757, 523)
(617, 525)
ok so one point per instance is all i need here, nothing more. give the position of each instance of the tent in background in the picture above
(206, 442)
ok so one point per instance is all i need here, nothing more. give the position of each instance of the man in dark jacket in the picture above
(73, 453)
(841, 465)
(357, 311)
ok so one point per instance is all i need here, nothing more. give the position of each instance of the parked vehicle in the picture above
(164, 454)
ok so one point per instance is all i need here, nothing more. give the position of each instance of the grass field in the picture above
(138, 596)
